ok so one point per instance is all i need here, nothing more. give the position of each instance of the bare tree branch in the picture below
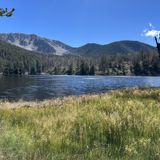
(6, 12)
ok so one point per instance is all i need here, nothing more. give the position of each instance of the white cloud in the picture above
(151, 33)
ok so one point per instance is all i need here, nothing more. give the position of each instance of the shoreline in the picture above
(13, 104)
(96, 75)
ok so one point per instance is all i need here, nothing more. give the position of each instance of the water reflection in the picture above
(46, 87)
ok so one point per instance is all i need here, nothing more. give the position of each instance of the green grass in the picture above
(121, 125)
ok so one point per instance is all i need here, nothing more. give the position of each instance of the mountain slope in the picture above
(121, 47)
(35, 43)
(15, 57)
(52, 47)
(16, 60)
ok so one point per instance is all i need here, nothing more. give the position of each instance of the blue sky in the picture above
(77, 22)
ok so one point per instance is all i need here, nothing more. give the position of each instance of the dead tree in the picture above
(157, 38)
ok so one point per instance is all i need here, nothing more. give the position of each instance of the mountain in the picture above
(35, 43)
(15, 60)
(120, 47)
(38, 44)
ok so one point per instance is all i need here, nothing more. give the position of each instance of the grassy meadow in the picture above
(121, 125)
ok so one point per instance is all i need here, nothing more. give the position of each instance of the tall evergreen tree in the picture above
(70, 70)
(92, 70)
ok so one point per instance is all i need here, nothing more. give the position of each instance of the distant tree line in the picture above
(131, 64)
(137, 64)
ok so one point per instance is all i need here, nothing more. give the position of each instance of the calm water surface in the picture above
(46, 87)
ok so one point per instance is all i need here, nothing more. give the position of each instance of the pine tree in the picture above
(70, 70)
(92, 70)
(38, 67)
(102, 65)
(55, 71)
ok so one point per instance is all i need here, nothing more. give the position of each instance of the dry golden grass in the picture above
(120, 125)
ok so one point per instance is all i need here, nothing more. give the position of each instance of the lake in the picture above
(45, 86)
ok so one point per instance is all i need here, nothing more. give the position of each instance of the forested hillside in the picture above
(15, 60)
